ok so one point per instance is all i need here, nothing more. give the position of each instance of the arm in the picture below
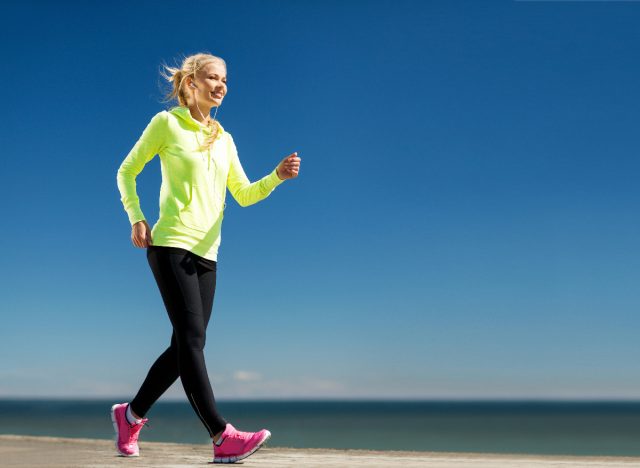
(245, 192)
(148, 145)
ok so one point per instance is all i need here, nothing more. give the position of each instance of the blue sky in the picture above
(465, 224)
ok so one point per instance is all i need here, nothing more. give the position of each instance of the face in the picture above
(211, 81)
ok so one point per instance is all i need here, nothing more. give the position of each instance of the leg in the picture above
(178, 279)
(164, 372)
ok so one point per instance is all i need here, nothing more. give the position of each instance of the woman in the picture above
(199, 162)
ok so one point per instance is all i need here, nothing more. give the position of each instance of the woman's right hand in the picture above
(141, 234)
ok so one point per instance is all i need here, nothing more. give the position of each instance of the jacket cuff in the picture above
(273, 180)
(136, 216)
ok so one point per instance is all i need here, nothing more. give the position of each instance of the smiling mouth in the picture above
(217, 96)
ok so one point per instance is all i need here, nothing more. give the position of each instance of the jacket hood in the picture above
(184, 114)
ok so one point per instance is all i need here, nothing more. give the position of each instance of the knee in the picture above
(192, 339)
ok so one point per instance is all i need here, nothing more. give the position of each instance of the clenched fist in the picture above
(289, 167)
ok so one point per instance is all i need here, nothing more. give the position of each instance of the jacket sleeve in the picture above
(148, 145)
(245, 192)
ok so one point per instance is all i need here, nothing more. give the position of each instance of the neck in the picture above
(201, 115)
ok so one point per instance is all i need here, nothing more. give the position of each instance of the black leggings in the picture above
(187, 283)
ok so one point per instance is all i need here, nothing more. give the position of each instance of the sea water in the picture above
(527, 427)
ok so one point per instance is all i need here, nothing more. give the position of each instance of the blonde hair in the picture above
(176, 76)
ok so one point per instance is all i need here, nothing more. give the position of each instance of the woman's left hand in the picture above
(289, 167)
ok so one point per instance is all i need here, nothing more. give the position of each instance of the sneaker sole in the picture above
(244, 455)
(115, 428)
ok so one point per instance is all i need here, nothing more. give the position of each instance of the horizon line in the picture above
(603, 399)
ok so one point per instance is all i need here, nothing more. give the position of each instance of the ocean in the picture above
(525, 427)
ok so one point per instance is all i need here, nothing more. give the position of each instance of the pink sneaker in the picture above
(237, 445)
(126, 434)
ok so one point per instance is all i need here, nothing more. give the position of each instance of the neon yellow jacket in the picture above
(194, 183)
